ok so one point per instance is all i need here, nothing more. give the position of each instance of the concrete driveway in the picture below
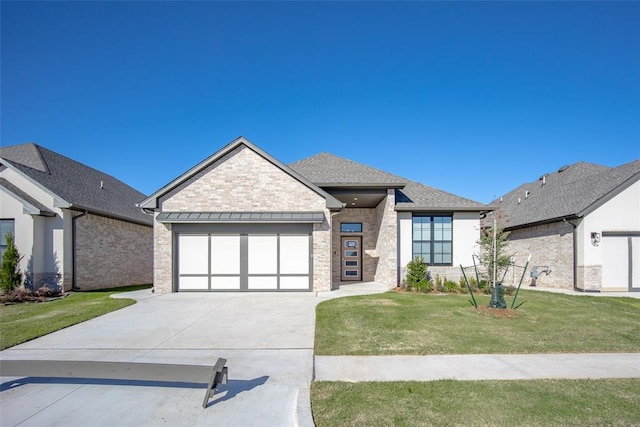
(267, 340)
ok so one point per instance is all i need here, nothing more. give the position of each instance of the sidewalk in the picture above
(477, 367)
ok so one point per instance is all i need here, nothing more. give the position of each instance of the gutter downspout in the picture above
(74, 282)
(575, 255)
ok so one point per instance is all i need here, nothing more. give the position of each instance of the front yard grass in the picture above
(23, 322)
(414, 324)
(610, 402)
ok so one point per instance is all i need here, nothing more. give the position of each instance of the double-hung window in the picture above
(432, 238)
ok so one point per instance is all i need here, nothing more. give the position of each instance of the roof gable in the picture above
(572, 191)
(151, 202)
(73, 184)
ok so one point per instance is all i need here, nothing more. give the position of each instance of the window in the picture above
(351, 227)
(432, 239)
(6, 226)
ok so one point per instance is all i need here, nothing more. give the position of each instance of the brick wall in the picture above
(112, 253)
(242, 180)
(550, 245)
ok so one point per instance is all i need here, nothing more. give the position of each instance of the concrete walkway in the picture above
(477, 367)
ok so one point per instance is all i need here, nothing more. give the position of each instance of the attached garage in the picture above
(621, 260)
(242, 251)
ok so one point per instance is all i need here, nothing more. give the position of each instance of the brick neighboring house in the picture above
(241, 220)
(582, 222)
(76, 227)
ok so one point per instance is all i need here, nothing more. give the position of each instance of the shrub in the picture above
(10, 274)
(451, 287)
(417, 275)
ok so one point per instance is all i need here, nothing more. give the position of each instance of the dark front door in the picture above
(351, 259)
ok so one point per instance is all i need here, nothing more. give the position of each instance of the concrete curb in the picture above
(477, 367)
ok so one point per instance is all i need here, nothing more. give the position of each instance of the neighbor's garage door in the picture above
(243, 262)
(620, 261)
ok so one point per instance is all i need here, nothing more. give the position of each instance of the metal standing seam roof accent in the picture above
(240, 217)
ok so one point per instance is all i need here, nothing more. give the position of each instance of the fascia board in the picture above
(56, 198)
(610, 195)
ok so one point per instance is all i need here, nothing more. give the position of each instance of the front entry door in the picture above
(351, 248)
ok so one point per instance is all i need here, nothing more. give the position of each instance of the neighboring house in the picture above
(582, 222)
(242, 220)
(76, 227)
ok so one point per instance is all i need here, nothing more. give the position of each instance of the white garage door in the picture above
(620, 262)
(243, 262)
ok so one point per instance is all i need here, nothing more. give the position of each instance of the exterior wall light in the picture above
(595, 238)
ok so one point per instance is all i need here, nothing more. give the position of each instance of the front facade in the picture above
(581, 226)
(243, 221)
(76, 228)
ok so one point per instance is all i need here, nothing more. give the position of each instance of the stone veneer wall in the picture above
(379, 241)
(242, 180)
(550, 245)
(112, 253)
(589, 277)
(387, 242)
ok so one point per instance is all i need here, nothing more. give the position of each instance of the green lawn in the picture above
(398, 323)
(610, 402)
(26, 321)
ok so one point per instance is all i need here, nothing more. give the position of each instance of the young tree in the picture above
(10, 274)
(493, 252)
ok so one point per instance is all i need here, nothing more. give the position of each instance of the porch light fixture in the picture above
(595, 238)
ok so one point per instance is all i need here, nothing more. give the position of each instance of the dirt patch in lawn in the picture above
(502, 313)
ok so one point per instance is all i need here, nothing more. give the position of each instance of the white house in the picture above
(581, 222)
(76, 227)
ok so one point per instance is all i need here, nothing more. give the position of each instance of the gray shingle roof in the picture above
(328, 170)
(569, 192)
(75, 182)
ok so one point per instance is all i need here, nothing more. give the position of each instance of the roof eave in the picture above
(55, 196)
(444, 208)
(542, 222)
(389, 185)
(76, 207)
(610, 195)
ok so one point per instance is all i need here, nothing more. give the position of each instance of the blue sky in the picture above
(473, 98)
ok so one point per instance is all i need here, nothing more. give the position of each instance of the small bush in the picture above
(10, 274)
(451, 287)
(416, 279)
